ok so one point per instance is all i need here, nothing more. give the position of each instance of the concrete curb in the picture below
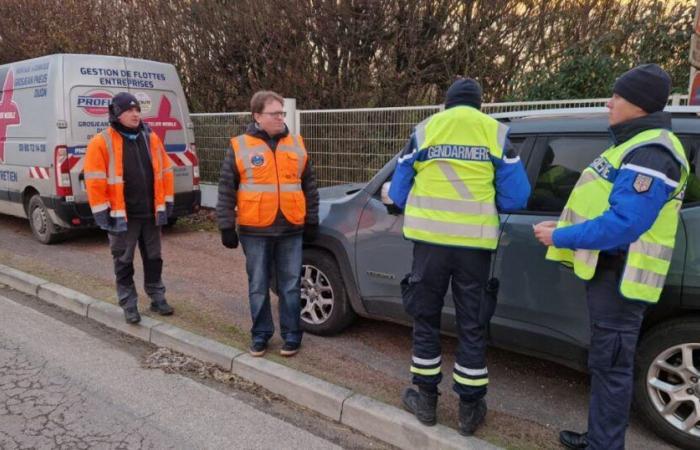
(373, 418)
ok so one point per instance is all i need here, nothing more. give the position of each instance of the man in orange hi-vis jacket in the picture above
(130, 187)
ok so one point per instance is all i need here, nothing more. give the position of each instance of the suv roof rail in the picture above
(562, 112)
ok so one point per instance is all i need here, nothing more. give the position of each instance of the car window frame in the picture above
(695, 139)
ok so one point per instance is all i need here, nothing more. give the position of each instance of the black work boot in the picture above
(162, 308)
(572, 439)
(471, 415)
(131, 315)
(422, 403)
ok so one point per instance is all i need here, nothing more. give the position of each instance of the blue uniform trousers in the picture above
(615, 324)
(435, 268)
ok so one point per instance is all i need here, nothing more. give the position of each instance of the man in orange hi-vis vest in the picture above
(268, 187)
(130, 186)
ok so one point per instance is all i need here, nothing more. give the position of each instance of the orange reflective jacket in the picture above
(270, 181)
(105, 184)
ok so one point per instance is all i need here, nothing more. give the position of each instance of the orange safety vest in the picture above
(104, 177)
(270, 181)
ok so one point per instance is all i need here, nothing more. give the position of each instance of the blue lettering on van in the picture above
(8, 175)
(77, 151)
(40, 92)
(90, 101)
(32, 148)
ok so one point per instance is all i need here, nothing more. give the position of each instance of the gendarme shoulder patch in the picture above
(642, 183)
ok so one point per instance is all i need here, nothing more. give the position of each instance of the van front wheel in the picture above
(40, 222)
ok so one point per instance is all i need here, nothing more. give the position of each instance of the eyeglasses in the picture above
(277, 114)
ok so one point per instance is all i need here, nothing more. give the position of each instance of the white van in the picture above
(51, 106)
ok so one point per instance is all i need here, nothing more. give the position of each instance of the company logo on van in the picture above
(95, 103)
(9, 113)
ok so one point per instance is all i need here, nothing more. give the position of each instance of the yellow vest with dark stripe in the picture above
(649, 258)
(452, 201)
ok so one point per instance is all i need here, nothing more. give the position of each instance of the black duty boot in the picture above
(471, 415)
(422, 403)
(131, 315)
(162, 308)
(572, 439)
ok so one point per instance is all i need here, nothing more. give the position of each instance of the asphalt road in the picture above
(529, 399)
(68, 387)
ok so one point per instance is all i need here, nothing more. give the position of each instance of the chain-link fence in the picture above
(351, 145)
(212, 134)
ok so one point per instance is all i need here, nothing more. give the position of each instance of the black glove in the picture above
(310, 232)
(229, 238)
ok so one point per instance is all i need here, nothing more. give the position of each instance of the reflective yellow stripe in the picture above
(470, 381)
(427, 372)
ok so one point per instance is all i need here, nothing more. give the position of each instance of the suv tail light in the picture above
(62, 167)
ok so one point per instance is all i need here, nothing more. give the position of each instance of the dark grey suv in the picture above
(355, 267)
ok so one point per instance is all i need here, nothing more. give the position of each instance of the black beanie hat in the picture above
(121, 102)
(463, 92)
(647, 86)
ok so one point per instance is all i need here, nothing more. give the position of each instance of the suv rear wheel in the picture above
(325, 308)
(667, 381)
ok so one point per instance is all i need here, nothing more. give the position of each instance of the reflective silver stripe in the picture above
(99, 208)
(652, 249)
(454, 229)
(290, 187)
(502, 135)
(651, 173)
(168, 170)
(426, 362)
(112, 163)
(586, 177)
(568, 215)
(169, 198)
(115, 213)
(511, 160)
(252, 187)
(95, 175)
(454, 179)
(160, 157)
(644, 277)
(245, 158)
(587, 257)
(115, 180)
(449, 205)
(420, 133)
(471, 372)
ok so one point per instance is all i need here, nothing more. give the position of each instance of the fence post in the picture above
(676, 99)
(290, 107)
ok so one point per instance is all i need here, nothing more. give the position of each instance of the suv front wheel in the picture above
(325, 308)
(667, 381)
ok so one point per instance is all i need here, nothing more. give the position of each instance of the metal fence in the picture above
(350, 145)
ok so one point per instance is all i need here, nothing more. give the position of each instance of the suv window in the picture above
(563, 160)
(692, 148)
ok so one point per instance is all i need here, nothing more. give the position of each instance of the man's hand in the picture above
(229, 238)
(544, 230)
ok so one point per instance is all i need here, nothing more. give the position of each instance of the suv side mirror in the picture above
(385, 194)
(391, 208)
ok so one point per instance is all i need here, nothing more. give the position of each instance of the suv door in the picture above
(541, 304)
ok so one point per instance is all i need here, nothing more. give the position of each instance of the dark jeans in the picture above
(615, 324)
(283, 255)
(146, 234)
(435, 268)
